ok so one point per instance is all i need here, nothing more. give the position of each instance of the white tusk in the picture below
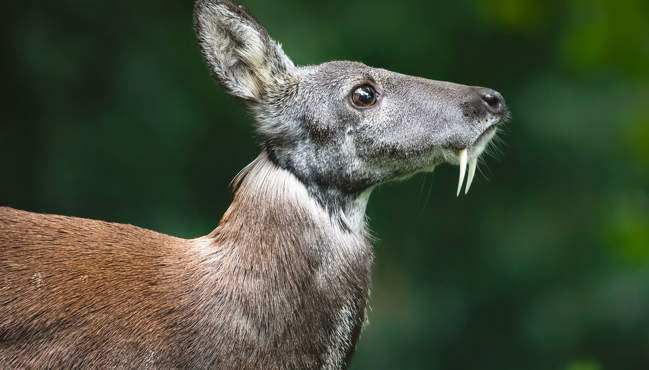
(463, 156)
(469, 180)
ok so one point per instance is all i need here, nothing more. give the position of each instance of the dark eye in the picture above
(364, 96)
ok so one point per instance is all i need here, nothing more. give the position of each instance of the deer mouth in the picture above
(485, 136)
(470, 155)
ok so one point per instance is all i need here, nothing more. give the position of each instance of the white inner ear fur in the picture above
(241, 57)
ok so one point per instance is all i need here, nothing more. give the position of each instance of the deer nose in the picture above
(493, 101)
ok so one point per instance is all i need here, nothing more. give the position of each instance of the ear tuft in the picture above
(238, 50)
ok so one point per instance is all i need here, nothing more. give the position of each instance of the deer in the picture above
(283, 281)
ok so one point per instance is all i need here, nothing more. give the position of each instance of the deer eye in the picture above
(364, 96)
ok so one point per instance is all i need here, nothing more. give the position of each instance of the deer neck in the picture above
(280, 252)
(275, 221)
(270, 200)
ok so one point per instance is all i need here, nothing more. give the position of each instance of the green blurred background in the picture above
(107, 111)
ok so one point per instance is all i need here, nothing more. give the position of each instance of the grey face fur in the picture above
(311, 127)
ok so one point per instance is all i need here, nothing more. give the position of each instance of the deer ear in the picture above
(238, 50)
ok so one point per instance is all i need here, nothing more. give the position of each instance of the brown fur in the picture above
(261, 291)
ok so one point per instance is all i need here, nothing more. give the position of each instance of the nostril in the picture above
(494, 101)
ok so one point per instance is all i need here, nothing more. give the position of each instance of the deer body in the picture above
(283, 281)
(262, 291)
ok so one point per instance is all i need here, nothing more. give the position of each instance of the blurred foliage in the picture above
(585, 365)
(107, 111)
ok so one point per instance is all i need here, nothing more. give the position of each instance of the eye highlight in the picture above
(364, 96)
